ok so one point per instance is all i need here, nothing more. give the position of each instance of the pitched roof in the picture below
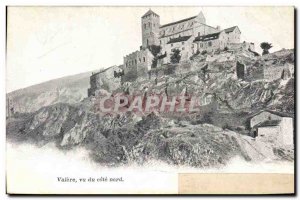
(149, 12)
(177, 22)
(229, 30)
(268, 123)
(208, 37)
(281, 114)
(179, 39)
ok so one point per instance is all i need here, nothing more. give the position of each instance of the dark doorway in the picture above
(240, 70)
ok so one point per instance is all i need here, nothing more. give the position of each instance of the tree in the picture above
(265, 46)
(175, 56)
(155, 49)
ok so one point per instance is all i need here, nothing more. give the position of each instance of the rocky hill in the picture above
(202, 140)
(71, 89)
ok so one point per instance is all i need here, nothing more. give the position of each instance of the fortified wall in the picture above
(108, 79)
(137, 64)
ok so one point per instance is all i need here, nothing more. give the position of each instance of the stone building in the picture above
(183, 43)
(218, 40)
(188, 35)
(108, 79)
(137, 64)
(211, 42)
(272, 126)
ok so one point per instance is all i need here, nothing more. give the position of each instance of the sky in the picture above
(45, 43)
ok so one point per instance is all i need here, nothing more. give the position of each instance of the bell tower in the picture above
(150, 28)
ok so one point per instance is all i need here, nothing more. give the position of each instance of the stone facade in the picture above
(137, 64)
(188, 35)
(150, 29)
(108, 79)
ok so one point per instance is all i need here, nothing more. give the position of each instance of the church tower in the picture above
(150, 29)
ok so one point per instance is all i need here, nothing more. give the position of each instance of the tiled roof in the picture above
(281, 114)
(268, 123)
(229, 30)
(149, 13)
(179, 39)
(177, 22)
(208, 37)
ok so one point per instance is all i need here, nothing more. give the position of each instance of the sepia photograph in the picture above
(150, 100)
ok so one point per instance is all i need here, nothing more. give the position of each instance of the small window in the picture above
(171, 45)
(201, 45)
(145, 26)
(182, 48)
(182, 43)
(144, 59)
(159, 41)
(209, 43)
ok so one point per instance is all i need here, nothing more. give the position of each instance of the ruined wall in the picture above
(276, 72)
(240, 46)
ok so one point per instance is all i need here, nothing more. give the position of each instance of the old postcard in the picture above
(150, 100)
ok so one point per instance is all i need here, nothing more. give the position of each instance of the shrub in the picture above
(265, 46)
(203, 52)
(175, 56)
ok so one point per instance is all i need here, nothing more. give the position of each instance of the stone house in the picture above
(273, 126)
(210, 42)
(184, 44)
(108, 79)
(233, 34)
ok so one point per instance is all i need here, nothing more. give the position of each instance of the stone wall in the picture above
(271, 73)
(108, 79)
(136, 65)
(185, 48)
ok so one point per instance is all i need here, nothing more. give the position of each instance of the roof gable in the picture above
(177, 22)
(231, 29)
(268, 123)
(280, 114)
(149, 12)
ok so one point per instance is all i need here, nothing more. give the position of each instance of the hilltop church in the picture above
(189, 35)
